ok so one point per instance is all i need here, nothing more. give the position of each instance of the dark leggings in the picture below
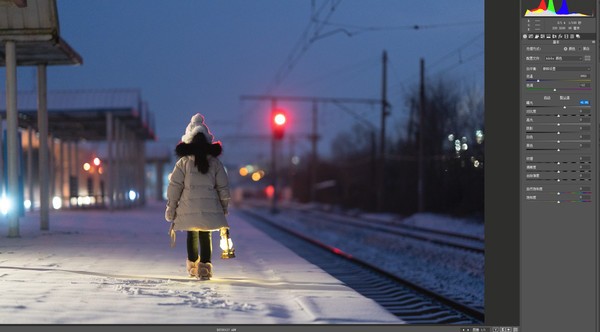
(205, 240)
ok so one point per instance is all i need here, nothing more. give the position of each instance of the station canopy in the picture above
(33, 25)
(72, 115)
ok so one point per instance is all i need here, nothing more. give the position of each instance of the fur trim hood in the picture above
(184, 149)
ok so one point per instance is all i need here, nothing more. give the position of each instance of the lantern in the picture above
(226, 244)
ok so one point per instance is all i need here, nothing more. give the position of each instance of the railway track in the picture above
(446, 238)
(408, 301)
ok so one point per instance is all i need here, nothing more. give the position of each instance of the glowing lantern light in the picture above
(226, 244)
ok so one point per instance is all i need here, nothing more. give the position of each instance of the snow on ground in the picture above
(469, 226)
(456, 273)
(100, 267)
(446, 223)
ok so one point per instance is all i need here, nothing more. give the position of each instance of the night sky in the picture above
(189, 56)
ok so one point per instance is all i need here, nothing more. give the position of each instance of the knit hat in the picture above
(195, 126)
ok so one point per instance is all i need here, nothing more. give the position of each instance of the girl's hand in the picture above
(170, 214)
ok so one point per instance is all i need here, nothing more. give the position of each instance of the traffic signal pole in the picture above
(274, 161)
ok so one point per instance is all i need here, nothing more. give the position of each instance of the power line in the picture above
(360, 29)
(456, 50)
(303, 44)
(403, 86)
(356, 116)
(460, 61)
(362, 65)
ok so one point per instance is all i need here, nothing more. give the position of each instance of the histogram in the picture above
(551, 8)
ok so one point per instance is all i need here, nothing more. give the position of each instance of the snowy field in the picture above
(98, 267)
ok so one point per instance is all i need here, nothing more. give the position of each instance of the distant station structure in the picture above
(112, 173)
(158, 155)
(29, 33)
(45, 159)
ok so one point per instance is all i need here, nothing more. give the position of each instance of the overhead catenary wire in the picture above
(304, 42)
(355, 115)
(301, 46)
(315, 30)
(343, 28)
(444, 58)
(457, 50)
(461, 62)
(439, 61)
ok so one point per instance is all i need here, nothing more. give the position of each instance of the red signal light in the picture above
(279, 120)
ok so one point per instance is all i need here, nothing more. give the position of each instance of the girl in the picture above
(198, 195)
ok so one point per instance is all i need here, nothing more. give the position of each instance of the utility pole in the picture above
(292, 166)
(313, 162)
(420, 185)
(384, 113)
(373, 203)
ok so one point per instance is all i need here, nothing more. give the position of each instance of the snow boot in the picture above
(192, 267)
(205, 271)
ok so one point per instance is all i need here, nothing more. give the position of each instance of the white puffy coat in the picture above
(196, 201)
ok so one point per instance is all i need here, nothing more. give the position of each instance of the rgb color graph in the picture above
(551, 9)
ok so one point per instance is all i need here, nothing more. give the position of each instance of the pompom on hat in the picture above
(195, 126)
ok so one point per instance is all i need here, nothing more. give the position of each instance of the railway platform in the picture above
(103, 267)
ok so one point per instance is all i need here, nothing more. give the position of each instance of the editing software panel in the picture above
(559, 145)
(559, 59)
